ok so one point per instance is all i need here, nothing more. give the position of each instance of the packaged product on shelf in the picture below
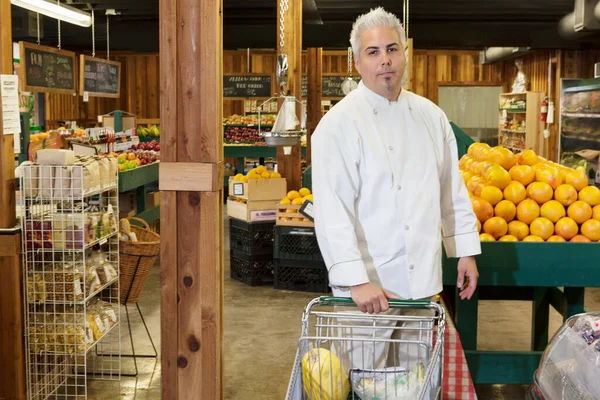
(104, 171)
(86, 177)
(110, 311)
(92, 280)
(64, 282)
(31, 178)
(39, 234)
(36, 288)
(54, 157)
(46, 181)
(114, 169)
(68, 232)
(62, 182)
(105, 270)
(96, 324)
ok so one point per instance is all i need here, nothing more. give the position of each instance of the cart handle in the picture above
(392, 302)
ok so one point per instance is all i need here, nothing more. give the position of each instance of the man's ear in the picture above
(357, 64)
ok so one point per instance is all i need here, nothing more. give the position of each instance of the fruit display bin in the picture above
(254, 238)
(137, 179)
(547, 274)
(255, 270)
(296, 243)
(285, 216)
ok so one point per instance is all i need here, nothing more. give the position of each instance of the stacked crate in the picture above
(251, 207)
(298, 262)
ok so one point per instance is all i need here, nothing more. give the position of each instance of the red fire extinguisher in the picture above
(544, 110)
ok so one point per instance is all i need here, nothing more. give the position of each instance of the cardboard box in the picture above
(259, 189)
(152, 200)
(252, 211)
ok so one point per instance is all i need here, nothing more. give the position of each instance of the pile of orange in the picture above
(524, 197)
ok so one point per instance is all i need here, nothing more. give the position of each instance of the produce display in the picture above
(581, 102)
(153, 131)
(243, 134)
(265, 119)
(525, 197)
(143, 154)
(36, 137)
(296, 198)
(259, 172)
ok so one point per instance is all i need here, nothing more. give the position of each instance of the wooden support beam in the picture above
(314, 76)
(8, 217)
(191, 199)
(289, 166)
(12, 358)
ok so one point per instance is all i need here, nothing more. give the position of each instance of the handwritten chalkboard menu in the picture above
(47, 69)
(247, 86)
(332, 85)
(98, 77)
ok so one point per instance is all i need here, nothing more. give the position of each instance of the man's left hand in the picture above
(467, 268)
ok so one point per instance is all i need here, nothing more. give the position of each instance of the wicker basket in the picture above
(137, 260)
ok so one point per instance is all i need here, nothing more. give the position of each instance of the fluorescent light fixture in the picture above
(52, 9)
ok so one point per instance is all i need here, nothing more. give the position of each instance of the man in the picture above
(386, 182)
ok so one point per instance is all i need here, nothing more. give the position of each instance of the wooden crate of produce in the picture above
(285, 216)
(258, 189)
(251, 211)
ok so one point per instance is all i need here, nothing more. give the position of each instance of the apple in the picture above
(157, 147)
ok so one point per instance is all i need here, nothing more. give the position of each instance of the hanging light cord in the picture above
(107, 39)
(39, 41)
(93, 35)
(58, 2)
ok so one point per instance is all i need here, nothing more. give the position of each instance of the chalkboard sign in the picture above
(47, 69)
(99, 77)
(247, 86)
(332, 85)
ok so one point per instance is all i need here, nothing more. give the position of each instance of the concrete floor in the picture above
(262, 326)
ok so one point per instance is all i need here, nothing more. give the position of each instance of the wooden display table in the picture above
(137, 179)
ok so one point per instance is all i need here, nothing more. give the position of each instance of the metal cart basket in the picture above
(344, 354)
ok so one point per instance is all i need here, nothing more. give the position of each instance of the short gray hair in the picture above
(376, 17)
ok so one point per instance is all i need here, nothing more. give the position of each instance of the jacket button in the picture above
(375, 111)
(399, 187)
(406, 227)
(411, 267)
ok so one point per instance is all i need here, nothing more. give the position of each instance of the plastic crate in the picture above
(301, 276)
(251, 238)
(296, 243)
(251, 270)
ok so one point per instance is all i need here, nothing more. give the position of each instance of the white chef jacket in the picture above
(386, 183)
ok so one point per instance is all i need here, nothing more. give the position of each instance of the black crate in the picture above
(296, 243)
(301, 276)
(251, 270)
(252, 238)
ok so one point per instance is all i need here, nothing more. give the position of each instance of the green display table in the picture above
(547, 274)
(137, 179)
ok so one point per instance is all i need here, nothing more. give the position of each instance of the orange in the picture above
(522, 173)
(527, 211)
(580, 239)
(495, 226)
(566, 228)
(528, 157)
(591, 229)
(508, 238)
(518, 229)
(565, 194)
(591, 195)
(541, 192)
(515, 191)
(466, 175)
(492, 194)
(464, 160)
(555, 238)
(552, 176)
(580, 211)
(478, 226)
(497, 176)
(542, 227)
(577, 179)
(553, 210)
(503, 157)
(475, 185)
(533, 238)
(486, 237)
(596, 212)
(483, 209)
(505, 210)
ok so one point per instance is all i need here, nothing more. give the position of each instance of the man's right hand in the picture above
(371, 298)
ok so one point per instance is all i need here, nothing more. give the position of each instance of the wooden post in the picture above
(7, 159)
(12, 359)
(289, 166)
(315, 74)
(191, 213)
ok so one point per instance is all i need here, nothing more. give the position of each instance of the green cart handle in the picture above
(393, 303)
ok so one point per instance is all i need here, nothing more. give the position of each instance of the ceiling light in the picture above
(54, 10)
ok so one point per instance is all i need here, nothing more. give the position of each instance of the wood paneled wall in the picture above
(139, 94)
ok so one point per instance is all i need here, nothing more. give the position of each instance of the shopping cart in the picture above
(345, 354)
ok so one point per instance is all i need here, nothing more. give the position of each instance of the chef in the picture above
(386, 183)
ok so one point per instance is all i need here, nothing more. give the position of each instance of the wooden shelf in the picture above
(530, 114)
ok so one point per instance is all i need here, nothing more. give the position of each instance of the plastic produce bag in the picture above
(390, 383)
